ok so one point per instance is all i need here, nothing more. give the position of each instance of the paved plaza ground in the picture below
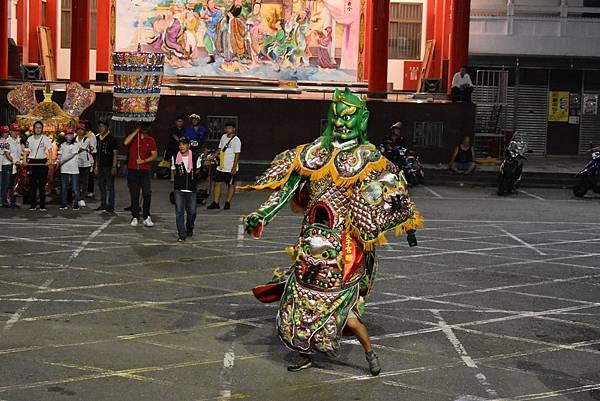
(500, 301)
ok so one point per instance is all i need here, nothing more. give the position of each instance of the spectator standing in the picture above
(176, 133)
(16, 152)
(141, 151)
(196, 133)
(93, 154)
(463, 157)
(184, 172)
(106, 166)
(462, 87)
(6, 163)
(68, 161)
(230, 148)
(85, 160)
(39, 157)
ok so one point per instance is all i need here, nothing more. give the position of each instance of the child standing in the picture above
(184, 171)
(69, 170)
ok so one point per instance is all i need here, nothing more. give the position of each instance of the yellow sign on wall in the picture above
(558, 107)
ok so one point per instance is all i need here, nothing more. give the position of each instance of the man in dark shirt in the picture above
(176, 133)
(392, 142)
(106, 166)
(196, 133)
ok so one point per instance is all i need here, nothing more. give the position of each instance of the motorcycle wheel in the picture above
(580, 189)
(504, 185)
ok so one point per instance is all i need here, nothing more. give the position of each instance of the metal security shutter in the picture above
(589, 131)
(532, 116)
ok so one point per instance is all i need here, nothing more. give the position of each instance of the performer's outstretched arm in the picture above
(256, 221)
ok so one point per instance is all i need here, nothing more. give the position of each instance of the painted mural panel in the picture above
(316, 40)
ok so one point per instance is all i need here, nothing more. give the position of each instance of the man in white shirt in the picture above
(16, 152)
(85, 159)
(39, 157)
(462, 87)
(230, 148)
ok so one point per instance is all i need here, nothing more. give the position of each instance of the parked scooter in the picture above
(408, 162)
(511, 169)
(589, 177)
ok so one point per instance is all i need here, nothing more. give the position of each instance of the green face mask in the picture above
(347, 119)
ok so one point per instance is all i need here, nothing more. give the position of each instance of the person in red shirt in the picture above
(142, 151)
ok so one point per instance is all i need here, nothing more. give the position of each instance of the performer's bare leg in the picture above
(362, 335)
(230, 192)
(217, 192)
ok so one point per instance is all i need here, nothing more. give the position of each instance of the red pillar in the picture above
(4, 39)
(80, 41)
(368, 33)
(102, 36)
(459, 47)
(35, 20)
(378, 54)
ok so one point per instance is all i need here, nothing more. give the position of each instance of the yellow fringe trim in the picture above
(279, 183)
(329, 170)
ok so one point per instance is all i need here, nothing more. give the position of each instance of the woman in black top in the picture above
(463, 158)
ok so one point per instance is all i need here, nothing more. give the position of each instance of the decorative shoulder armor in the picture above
(278, 172)
(381, 203)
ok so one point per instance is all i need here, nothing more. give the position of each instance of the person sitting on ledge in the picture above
(462, 87)
(463, 158)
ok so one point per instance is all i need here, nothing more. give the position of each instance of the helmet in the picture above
(195, 116)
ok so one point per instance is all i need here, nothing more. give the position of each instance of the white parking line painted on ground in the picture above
(521, 241)
(462, 352)
(240, 235)
(86, 242)
(17, 315)
(431, 191)
(532, 195)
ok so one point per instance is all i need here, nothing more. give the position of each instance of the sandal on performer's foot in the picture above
(374, 366)
(303, 362)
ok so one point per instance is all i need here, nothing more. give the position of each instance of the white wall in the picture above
(396, 67)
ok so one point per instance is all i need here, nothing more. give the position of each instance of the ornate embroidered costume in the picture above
(351, 196)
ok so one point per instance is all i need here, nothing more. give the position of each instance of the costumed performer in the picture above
(350, 196)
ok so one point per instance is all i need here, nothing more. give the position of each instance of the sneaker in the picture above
(99, 208)
(43, 209)
(148, 222)
(180, 239)
(190, 233)
(32, 208)
(82, 203)
(374, 366)
(76, 207)
(213, 205)
(303, 362)
(134, 222)
(227, 206)
(63, 208)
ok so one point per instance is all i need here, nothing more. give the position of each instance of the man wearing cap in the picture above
(176, 133)
(16, 151)
(196, 132)
(106, 166)
(392, 142)
(6, 162)
(184, 172)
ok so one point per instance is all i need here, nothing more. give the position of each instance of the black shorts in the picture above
(227, 178)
